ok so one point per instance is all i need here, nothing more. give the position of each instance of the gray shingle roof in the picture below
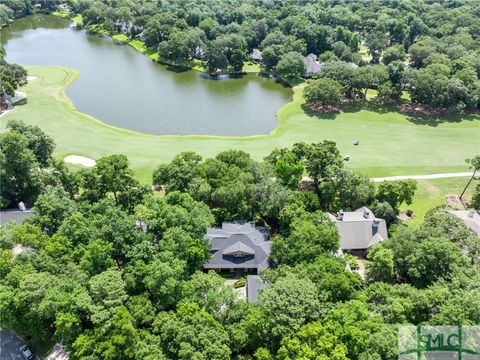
(256, 55)
(238, 245)
(471, 219)
(360, 229)
(14, 215)
(255, 285)
(312, 66)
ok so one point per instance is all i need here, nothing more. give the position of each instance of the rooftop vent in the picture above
(471, 214)
(340, 215)
(366, 214)
(21, 206)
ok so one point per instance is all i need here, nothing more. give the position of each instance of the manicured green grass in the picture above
(77, 18)
(390, 143)
(431, 193)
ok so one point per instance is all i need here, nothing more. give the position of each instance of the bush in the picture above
(240, 283)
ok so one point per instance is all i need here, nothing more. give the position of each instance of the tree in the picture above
(290, 67)
(96, 257)
(177, 175)
(163, 279)
(376, 42)
(227, 51)
(209, 293)
(12, 76)
(475, 165)
(290, 303)
(329, 274)
(52, 207)
(397, 192)
(288, 168)
(19, 170)
(323, 162)
(312, 342)
(182, 46)
(158, 28)
(432, 259)
(476, 198)
(116, 339)
(310, 236)
(380, 265)
(39, 142)
(324, 92)
(393, 53)
(191, 333)
(112, 175)
(107, 290)
(353, 325)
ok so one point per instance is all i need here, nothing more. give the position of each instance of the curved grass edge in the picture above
(73, 74)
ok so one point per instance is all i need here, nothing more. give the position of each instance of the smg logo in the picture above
(439, 342)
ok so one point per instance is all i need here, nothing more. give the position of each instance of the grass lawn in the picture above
(431, 193)
(390, 143)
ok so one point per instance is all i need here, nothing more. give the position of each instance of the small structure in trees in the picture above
(238, 246)
(256, 56)
(312, 66)
(359, 229)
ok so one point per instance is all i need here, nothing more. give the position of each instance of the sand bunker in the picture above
(80, 160)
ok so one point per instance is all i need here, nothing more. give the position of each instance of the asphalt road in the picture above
(415, 177)
(10, 345)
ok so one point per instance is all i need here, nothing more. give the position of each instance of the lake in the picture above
(124, 88)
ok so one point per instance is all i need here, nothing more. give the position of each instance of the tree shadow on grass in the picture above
(435, 120)
(369, 105)
(319, 115)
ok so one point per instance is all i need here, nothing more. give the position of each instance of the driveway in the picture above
(10, 344)
(414, 177)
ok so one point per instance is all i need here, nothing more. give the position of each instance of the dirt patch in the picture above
(404, 217)
(428, 185)
(318, 108)
(454, 201)
(425, 110)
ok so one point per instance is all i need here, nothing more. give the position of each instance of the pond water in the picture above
(124, 88)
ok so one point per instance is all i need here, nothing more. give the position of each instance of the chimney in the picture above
(340, 215)
(366, 214)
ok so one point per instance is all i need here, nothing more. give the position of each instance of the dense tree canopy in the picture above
(118, 279)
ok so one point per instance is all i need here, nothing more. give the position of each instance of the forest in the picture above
(113, 269)
(428, 49)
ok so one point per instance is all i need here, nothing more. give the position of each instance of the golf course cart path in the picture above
(80, 160)
(423, 177)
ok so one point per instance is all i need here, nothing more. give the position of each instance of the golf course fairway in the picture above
(391, 143)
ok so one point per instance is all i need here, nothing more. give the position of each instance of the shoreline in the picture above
(139, 45)
(83, 135)
(73, 74)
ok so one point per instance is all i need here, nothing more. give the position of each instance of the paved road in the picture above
(415, 177)
(423, 177)
(10, 345)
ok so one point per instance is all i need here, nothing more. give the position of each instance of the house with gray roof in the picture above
(359, 229)
(238, 246)
(15, 215)
(470, 218)
(256, 55)
(312, 66)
